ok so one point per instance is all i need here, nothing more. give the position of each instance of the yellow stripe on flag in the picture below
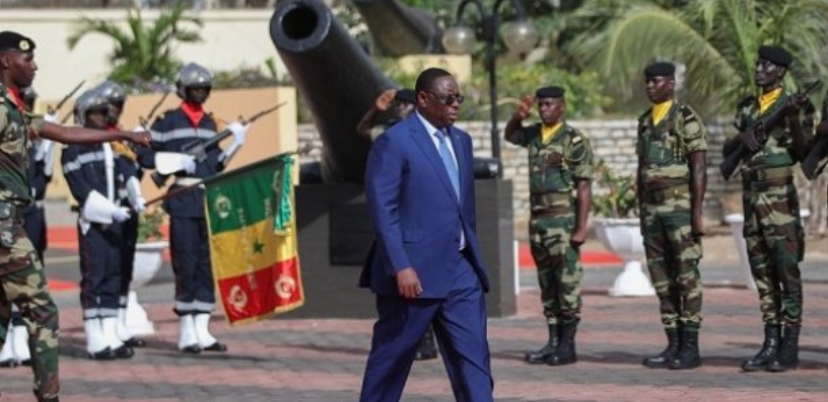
(250, 248)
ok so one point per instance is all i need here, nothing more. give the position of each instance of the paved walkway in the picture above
(322, 360)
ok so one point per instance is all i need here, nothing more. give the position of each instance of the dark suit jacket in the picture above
(416, 215)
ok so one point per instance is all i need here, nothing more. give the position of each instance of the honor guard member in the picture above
(671, 182)
(131, 197)
(195, 295)
(22, 280)
(92, 175)
(773, 230)
(560, 166)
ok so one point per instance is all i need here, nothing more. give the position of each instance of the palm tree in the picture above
(143, 52)
(715, 40)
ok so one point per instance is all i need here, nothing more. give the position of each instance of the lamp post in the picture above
(520, 37)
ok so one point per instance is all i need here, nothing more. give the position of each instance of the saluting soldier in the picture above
(22, 280)
(773, 231)
(195, 295)
(561, 165)
(131, 197)
(671, 182)
(94, 178)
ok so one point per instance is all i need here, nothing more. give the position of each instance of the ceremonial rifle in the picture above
(198, 148)
(52, 110)
(732, 160)
(144, 122)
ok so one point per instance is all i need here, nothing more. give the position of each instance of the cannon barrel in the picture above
(335, 77)
(399, 29)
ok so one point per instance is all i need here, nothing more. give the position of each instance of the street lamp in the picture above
(520, 36)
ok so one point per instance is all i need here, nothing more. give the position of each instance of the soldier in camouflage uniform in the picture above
(773, 231)
(671, 181)
(22, 281)
(561, 164)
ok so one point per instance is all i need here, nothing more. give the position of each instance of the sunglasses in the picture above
(448, 100)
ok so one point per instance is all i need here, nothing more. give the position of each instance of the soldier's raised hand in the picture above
(524, 107)
(385, 99)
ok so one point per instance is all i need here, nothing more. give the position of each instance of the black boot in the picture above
(663, 359)
(539, 356)
(565, 354)
(788, 356)
(427, 349)
(688, 355)
(767, 354)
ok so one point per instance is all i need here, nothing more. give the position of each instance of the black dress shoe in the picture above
(216, 347)
(123, 352)
(27, 363)
(9, 363)
(191, 349)
(105, 354)
(135, 342)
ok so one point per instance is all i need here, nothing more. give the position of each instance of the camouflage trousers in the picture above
(775, 246)
(673, 261)
(559, 269)
(23, 283)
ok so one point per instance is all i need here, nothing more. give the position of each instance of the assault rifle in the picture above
(52, 110)
(198, 149)
(810, 165)
(732, 160)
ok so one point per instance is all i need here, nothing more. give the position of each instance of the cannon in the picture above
(335, 77)
(400, 30)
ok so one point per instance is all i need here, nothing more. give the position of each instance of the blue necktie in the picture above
(448, 162)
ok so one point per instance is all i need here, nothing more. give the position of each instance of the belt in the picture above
(753, 175)
(660, 196)
(187, 181)
(556, 210)
(550, 198)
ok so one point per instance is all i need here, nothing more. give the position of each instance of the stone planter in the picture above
(737, 225)
(149, 257)
(622, 236)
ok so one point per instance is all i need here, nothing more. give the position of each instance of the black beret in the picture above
(553, 91)
(776, 55)
(406, 95)
(660, 69)
(14, 41)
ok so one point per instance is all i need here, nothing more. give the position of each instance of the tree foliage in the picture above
(144, 51)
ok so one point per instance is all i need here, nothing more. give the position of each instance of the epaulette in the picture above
(575, 136)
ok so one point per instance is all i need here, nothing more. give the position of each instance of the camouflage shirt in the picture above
(778, 149)
(14, 140)
(663, 149)
(553, 166)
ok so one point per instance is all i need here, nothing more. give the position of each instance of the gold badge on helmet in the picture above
(24, 45)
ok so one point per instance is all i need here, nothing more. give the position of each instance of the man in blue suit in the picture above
(426, 265)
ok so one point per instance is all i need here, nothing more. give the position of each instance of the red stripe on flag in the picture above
(268, 290)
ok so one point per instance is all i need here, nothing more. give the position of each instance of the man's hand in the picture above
(239, 131)
(141, 138)
(385, 99)
(697, 226)
(408, 283)
(578, 237)
(524, 107)
(750, 140)
(121, 214)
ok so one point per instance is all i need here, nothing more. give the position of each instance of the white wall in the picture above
(231, 38)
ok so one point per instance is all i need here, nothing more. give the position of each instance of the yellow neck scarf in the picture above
(660, 111)
(768, 99)
(548, 132)
(122, 149)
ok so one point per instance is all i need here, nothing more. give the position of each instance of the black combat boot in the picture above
(540, 356)
(663, 359)
(688, 355)
(767, 354)
(565, 354)
(427, 349)
(788, 356)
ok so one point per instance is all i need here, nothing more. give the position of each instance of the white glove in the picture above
(138, 129)
(139, 205)
(171, 162)
(120, 214)
(50, 118)
(239, 131)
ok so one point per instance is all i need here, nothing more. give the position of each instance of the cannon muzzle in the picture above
(336, 78)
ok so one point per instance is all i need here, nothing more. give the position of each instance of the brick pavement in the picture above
(322, 360)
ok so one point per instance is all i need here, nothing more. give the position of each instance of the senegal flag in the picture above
(253, 240)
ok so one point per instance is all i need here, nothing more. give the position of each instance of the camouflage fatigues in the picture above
(22, 280)
(773, 230)
(554, 166)
(673, 253)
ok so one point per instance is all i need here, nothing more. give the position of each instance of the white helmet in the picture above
(112, 91)
(192, 75)
(91, 99)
